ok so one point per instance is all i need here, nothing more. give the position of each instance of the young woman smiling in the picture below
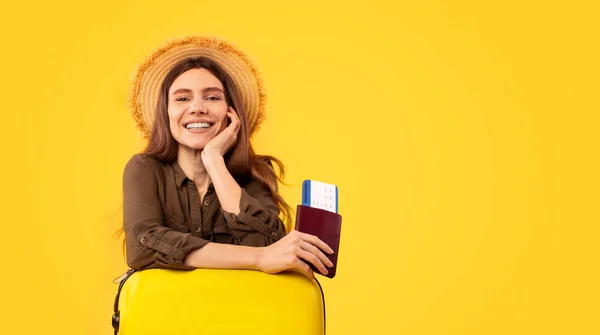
(199, 196)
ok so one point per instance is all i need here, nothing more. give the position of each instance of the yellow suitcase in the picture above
(209, 301)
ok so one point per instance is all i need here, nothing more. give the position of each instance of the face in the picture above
(197, 108)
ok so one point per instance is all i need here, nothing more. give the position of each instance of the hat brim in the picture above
(150, 73)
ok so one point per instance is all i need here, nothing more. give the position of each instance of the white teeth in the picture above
(198, 125)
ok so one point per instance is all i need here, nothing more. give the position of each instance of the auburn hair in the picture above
(241, 160)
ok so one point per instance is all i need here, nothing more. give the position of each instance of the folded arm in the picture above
(247, 210)
(149, 242)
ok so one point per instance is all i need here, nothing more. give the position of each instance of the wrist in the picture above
(257, 258)
(209, 155)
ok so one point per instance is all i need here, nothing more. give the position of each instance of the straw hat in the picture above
(150, 73)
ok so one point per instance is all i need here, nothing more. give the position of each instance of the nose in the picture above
(198, 108)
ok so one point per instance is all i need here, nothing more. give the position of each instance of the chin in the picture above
(193, 145)
(195, 142)
(199, 146)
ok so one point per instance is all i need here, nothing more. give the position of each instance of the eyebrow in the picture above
(204, 90)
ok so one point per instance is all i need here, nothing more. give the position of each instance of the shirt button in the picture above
(143, 240)
(274, 234)
(197, 229)
(206, 202)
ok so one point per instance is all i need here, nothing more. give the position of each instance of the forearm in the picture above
(228, 190)
(224, 256)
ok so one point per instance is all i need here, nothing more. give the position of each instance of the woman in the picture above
(198, 196)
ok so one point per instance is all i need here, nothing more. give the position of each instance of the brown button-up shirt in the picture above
(164, 219)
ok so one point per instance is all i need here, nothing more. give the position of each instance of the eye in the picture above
(181, 99)
(213, 97)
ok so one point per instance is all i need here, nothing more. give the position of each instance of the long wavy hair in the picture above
(241, 160)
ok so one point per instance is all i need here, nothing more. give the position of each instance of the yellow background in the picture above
(462, 136)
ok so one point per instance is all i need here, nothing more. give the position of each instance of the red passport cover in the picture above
(325, 225)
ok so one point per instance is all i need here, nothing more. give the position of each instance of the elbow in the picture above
(140, 258)
(139, 263)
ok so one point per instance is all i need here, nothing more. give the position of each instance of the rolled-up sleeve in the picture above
(149, 243)
(259, 215)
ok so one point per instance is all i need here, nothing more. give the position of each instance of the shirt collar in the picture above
(180, 176)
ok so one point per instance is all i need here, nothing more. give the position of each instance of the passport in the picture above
(325, 225)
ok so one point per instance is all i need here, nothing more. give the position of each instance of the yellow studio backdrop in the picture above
(462, 135)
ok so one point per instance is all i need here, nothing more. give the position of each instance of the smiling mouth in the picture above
(198, 125)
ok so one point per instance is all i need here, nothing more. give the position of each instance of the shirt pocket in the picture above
(177, 223)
